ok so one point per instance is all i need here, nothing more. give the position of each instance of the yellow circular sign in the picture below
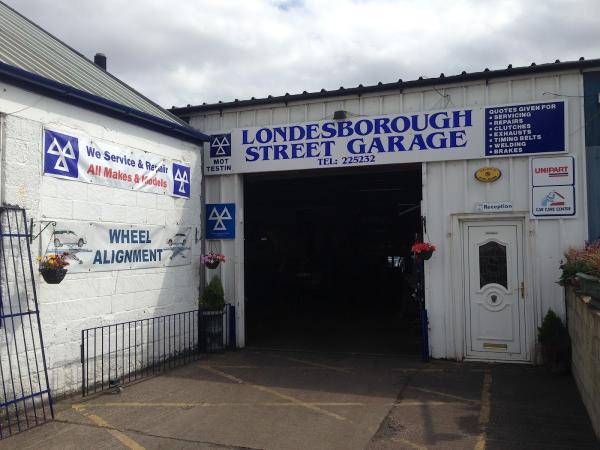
(488, 174)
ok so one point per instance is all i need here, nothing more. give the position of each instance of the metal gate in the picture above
(25, 399)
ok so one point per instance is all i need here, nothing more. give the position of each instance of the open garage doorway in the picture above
(327, 260)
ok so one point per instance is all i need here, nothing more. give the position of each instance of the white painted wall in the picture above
(91, 299)
(450, 189)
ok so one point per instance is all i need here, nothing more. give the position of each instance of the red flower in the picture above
(422, 247)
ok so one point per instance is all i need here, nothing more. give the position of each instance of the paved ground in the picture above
(259, 399)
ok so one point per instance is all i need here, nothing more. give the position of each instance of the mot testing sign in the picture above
(552, 187)
(81, 158)
(220, 221)
(96, 247)
(463, 133)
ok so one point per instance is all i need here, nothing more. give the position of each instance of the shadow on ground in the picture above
(295, 400)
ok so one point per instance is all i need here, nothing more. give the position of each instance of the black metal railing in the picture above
(117, 354)
(25, 398)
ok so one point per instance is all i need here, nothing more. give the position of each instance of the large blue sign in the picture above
(525, 129)
(220, 221)
(410, 137)
(61, 154)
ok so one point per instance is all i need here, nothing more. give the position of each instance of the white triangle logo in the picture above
(220, 145)
(62, 153)
(219, 218)
(182, 178)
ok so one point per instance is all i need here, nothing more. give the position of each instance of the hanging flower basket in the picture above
(53, 276)
(423, 250)
(212, 260)
(52, 267)
(212, 264)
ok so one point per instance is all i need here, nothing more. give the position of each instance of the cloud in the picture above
(193, 51)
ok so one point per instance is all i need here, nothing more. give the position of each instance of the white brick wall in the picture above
(87, 300)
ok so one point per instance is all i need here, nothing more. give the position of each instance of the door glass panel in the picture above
(492, 264)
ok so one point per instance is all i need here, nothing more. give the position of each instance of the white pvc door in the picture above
(494, 290)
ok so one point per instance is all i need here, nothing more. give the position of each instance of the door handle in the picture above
(522, 290)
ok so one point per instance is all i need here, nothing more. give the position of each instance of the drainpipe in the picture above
(202, 223)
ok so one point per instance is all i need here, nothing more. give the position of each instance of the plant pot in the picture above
(212, 265)
(424, 255)
(556, 358)
(589, 285)
(53, 276)
(211, 330)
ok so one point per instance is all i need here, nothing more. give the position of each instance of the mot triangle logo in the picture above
(220, 220)
(182, 178)
(61, 154)
(219, 217)
(220, 145)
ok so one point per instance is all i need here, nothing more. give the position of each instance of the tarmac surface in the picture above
(268, 399)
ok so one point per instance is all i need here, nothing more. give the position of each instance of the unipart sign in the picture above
(558, 171)
(552, 188)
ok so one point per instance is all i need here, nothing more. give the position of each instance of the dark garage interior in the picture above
(327, 260)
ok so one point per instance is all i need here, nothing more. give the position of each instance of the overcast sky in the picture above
(193, 51)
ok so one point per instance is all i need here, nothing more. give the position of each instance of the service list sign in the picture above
(525, 129)
(81, 158)
(462, 133)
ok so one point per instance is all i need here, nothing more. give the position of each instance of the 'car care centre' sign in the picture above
(463, 133)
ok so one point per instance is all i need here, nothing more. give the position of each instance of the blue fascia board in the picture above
(33, 82)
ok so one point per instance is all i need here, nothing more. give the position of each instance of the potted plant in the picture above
(52, 267)
(212, 304)
(212, 259)
(581, 269)
(422, 250)
(555, 343)
(577, 261)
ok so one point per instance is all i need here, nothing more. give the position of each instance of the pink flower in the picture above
(212, 257)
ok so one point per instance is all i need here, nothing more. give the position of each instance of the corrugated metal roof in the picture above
(486, 74)
(26, 46)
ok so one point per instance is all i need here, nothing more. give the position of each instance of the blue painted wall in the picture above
(591, 106)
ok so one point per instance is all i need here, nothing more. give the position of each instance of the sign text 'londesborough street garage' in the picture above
(463, 133)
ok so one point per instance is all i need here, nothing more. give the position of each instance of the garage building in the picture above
(316, 199)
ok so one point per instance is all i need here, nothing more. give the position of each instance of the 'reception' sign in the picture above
(94, 247)
(462, 133)
(81, 158)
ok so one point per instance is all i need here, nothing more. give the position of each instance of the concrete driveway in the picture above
(261, 399)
